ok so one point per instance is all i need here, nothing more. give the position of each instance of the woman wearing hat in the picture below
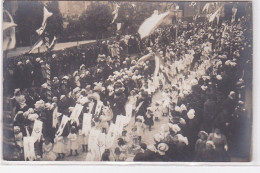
(200, 147)
(161, 155)
(221, 145)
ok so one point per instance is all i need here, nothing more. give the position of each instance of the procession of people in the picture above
(108, 96)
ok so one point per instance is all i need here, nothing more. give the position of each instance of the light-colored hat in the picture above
(204, 88)
(162, 148)
(183, 139)
(177, 109)
(44, 85)
(174, 127)
(38, 59)
(157, 137)
(139, 117)
(191, 114)
(183, 107)
(219, 77)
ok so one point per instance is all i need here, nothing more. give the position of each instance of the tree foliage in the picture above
(97, 19)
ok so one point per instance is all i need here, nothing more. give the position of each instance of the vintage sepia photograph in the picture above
(123, 81)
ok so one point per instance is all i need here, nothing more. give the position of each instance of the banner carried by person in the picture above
(63, 123)
(98, 107)
(55, 116)
(86, 125)
(37, 130)
(150, 24)
(28, 145)
(75, 113)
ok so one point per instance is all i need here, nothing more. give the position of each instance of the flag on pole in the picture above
(9, 40)
(214, 15)
(46, 15)
(234, 12)
(38, 44)
(151, 23)
(115, 13)
(207, 6)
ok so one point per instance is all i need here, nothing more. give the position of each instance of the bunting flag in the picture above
(86, 125)
(98, 107)
(38, 44)
(115, 13)
(9, 40)
(118, 26)
(234, 12)
(150, 24)
(214, 15)
(63, 123)
(46, 15)
(37, 130)
(75, 113)
(28, 146)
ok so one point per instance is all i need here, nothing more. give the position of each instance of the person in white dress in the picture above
(73, 141)
(48, 154)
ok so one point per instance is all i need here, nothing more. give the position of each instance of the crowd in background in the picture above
(201, 80)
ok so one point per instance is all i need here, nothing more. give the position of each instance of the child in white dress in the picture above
(59, 147)
(73, 139)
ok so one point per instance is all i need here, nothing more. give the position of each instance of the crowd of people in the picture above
(199, 77)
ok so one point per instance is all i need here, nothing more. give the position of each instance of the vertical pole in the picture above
(48, 71)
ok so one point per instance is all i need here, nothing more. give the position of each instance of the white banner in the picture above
(86, 125)
(98, 107)
(37, 130)
(76, 112)
(128, 111)
(90, 106)
(118, 26)
(28, 144)
(63, 123)
(121, 121)
(55, 117)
